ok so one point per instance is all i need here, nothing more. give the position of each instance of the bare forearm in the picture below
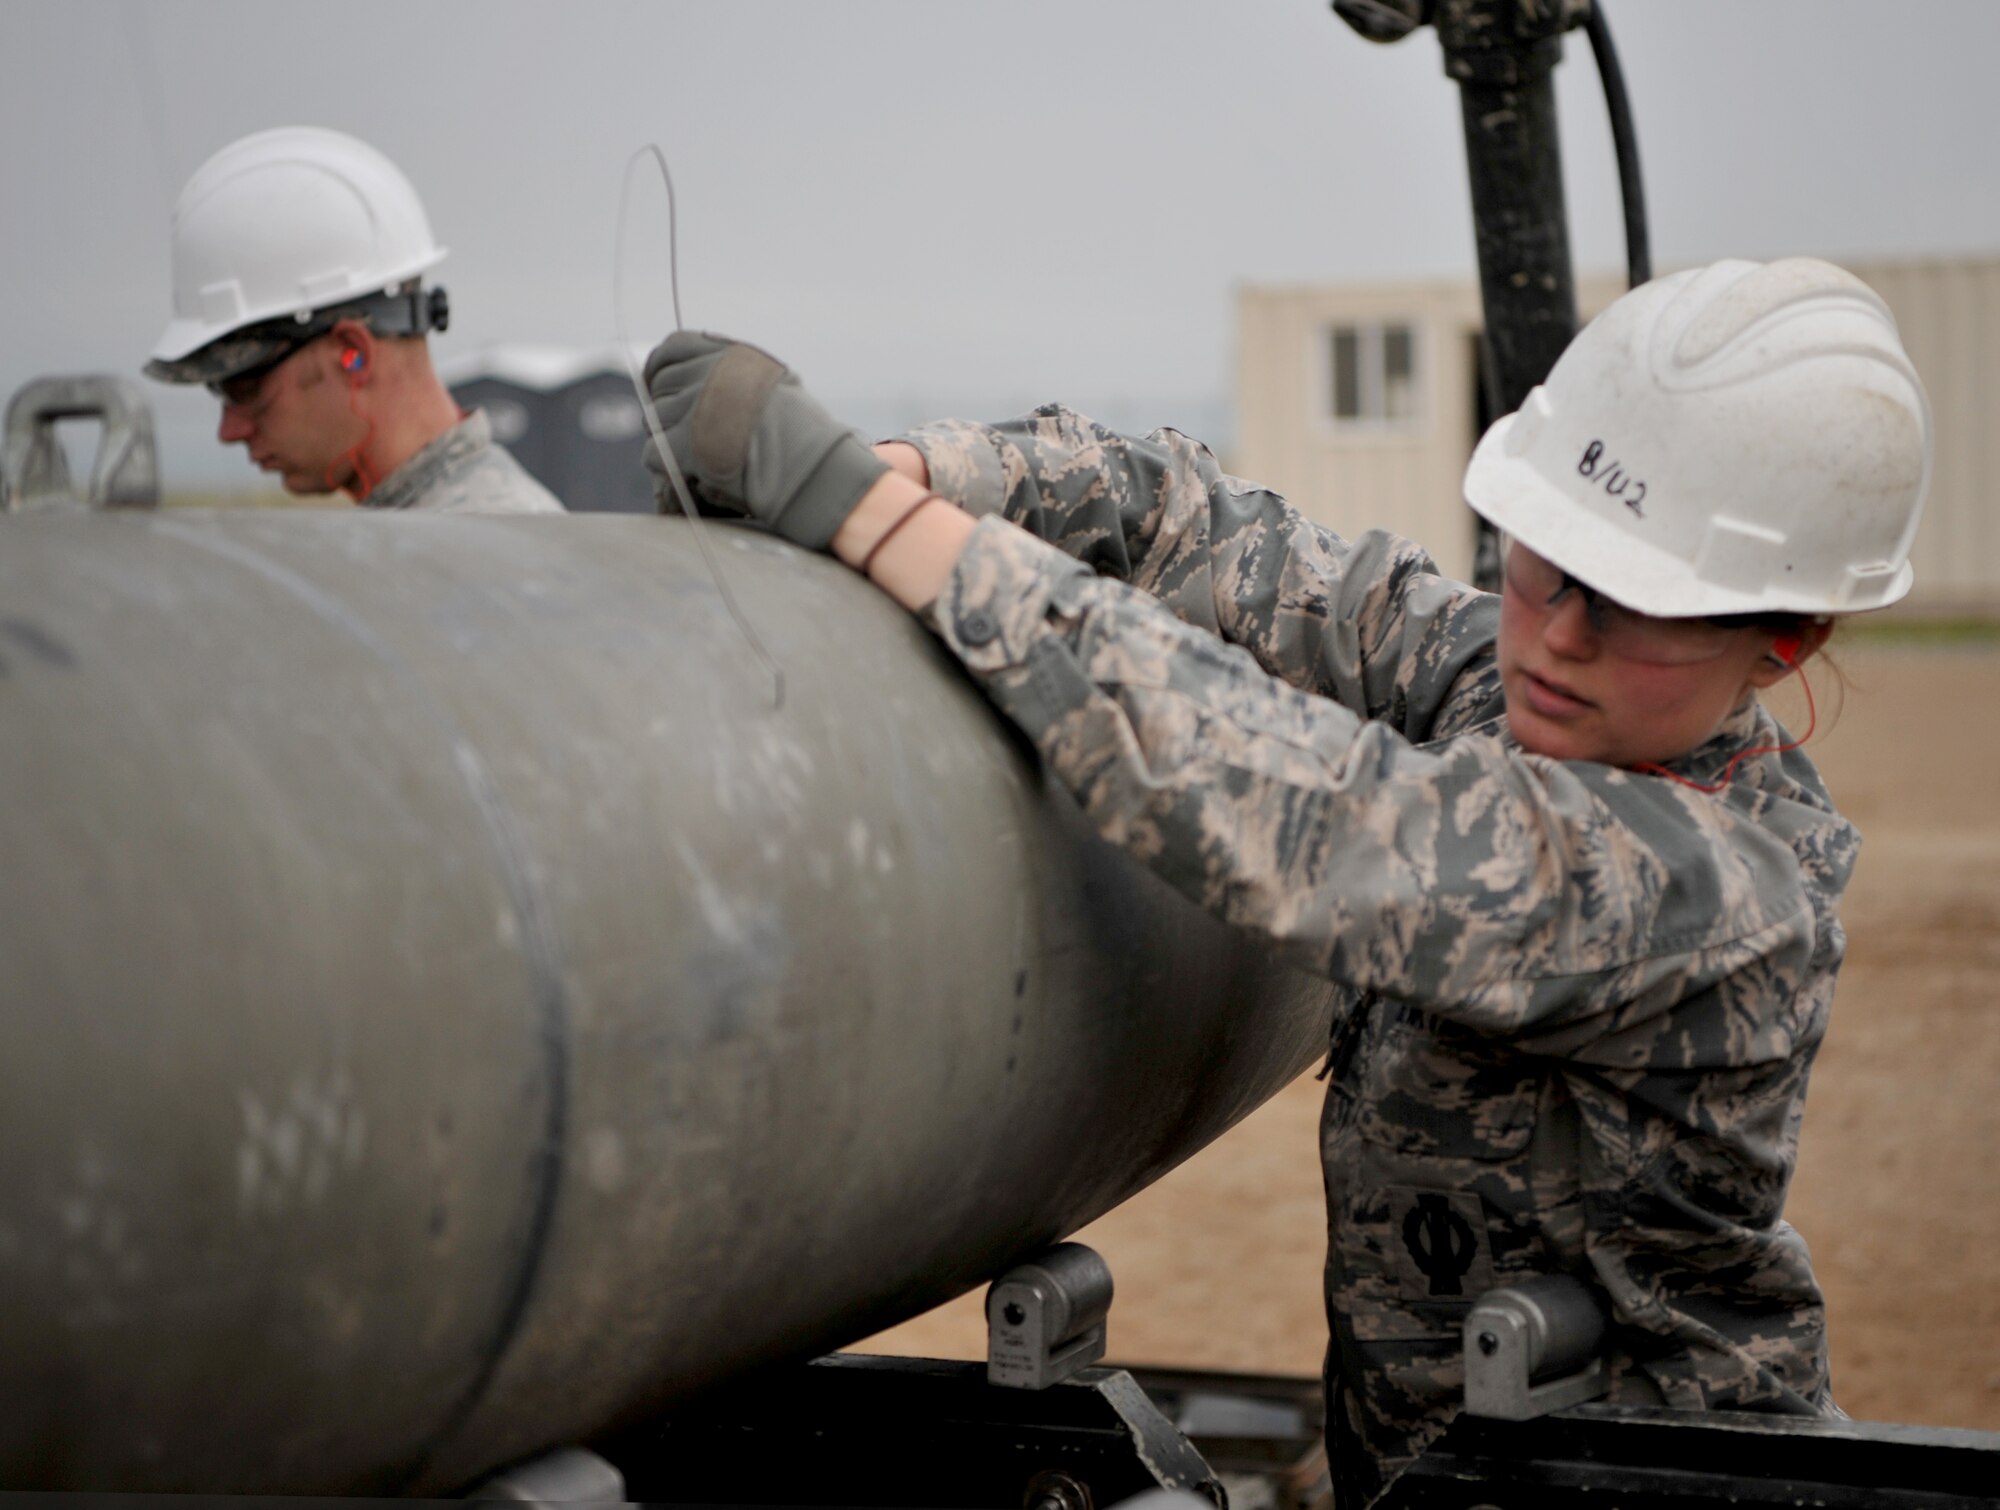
(905, 458)
(913, 566)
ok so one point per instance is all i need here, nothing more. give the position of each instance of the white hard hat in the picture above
(284, 223)
(1741, 438)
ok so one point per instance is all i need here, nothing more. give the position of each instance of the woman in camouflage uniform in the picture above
(1579, 888)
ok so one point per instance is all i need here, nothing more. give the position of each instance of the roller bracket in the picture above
(1532, 1348)
(1045, 1319)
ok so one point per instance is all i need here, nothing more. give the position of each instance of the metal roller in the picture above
(451, 1010)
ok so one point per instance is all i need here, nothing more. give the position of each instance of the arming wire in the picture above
(693, 515)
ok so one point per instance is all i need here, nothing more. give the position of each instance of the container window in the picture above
(1347, 374)
(1373, 378)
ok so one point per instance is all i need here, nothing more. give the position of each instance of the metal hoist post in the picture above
(1503, 54)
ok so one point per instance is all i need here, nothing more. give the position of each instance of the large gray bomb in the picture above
(450, 1008)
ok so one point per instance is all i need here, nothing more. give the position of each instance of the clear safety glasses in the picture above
(1622, 631)
(243, 390)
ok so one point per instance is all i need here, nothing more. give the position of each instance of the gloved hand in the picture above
(748, 436)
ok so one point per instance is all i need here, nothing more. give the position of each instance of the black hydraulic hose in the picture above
(1624, 140)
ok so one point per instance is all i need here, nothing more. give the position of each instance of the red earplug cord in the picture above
(1786, 648)
(352, 362)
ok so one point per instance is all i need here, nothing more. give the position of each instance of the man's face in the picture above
(296, 419)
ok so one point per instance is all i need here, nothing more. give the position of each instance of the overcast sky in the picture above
(936, 206)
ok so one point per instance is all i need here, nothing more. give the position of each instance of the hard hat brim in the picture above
(182, 338)
(1511, 495)
(226, 358)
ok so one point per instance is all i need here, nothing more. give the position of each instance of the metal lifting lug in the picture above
(1045, 1318)
(34, 472)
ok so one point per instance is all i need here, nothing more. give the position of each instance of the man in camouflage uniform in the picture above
(298, 302)
(1580, 997)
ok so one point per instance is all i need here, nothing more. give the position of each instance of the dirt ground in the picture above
(1898, 1191)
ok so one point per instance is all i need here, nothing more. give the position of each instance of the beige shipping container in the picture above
(1360, 403)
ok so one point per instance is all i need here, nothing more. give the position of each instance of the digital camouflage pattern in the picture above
(1580, 1004)
(463, 471)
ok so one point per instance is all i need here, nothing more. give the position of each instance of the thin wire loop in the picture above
(625, 347)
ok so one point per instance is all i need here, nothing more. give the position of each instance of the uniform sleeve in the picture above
(1372, 624)
(1508, 892)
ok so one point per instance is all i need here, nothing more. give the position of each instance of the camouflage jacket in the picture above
(463, 471)
(1580, 1003)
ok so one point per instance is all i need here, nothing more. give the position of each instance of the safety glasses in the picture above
(1621, 631)
(242, 390)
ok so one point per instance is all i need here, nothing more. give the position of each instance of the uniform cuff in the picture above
(996, 600)
(965, 464)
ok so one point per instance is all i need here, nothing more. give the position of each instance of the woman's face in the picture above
(1588, 680)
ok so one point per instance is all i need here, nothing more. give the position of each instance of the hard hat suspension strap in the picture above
(411, 312)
